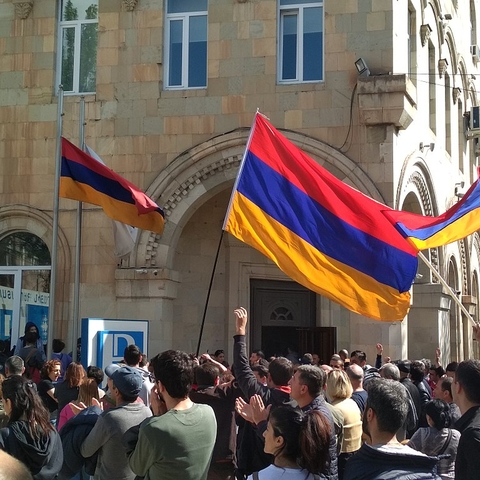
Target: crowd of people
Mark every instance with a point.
(178, 416)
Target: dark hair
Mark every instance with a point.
(174, 369)
(218, 352)
(306, 436)
(48, 368)
(27, 404)
(446, 384)
(440, 372)
(15, 365)
(74, 374)
(439, 412)
(206, 374)
(388, 399)
(143, 361)
(306, 359)
(29, 325)
(362, 356)
(281, 371)
(468, 376)
(259, 353)
(57, 345)
(451, 367)
(313, 377)
(132, 355)
(261, 369)
(417, 371)
(96, 373)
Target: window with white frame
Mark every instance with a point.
(186, 44)
(78, 45)
(300, 56)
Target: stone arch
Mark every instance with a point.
(25, 218)
(437, 12)
(415, 193)
(462, 70)
(452, 48)
(198, 174)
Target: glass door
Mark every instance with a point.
(10, 293)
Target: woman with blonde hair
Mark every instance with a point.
(88, 390)
(339, 390)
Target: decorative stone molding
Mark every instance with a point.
(181, 193)
(456, 92)
(418, 180)
(464, 267)
(442, 66)
(189, 184)
(23, 9)
(386, 99)
(129, 5)
(425, 32)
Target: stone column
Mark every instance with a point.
(429, 322)
(148, 294)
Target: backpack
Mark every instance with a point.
(32, 370)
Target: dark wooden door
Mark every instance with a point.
(281, 315)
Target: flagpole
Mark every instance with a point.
(78, 237)
(56, 201)
(208, 293)
(250, 135)
(448, 288)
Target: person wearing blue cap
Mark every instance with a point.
(106, 436)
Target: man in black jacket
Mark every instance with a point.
(404, 368)
(307, 390)
(386, 458)
(466, 394)
(250, 455)
(222, 399)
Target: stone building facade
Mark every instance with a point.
(171, 88)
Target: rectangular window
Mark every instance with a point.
(78, 50)
(301, 41)
(186, 45)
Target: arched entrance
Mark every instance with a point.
(24, 285)
(194, 191)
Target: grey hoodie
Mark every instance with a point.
(43, 456)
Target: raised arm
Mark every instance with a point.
(241, 366)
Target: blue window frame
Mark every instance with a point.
(300, 56)
(186, 44)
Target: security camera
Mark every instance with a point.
(155, 272)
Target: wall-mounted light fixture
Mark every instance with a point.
(423, 145)
(362, 68)
(459, 186)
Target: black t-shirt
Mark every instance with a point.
(43, 387)
(65, 394)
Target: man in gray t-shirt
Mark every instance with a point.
(125, 384)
